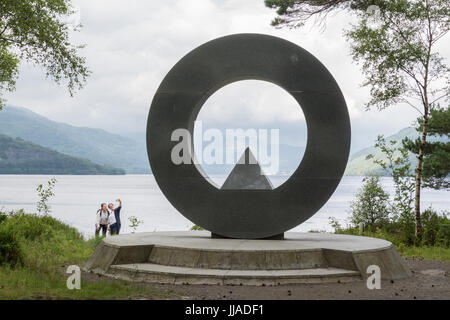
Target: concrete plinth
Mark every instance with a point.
(194, 257)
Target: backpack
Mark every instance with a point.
(99, 212)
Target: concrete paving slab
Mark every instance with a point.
(164, 274)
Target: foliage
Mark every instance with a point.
(394, 220)
(397, 163)
(436, 161)
(371, 206)
(398, 213)
(393, 233)
(335, 224)
(294, 13)
(3, 217)
(134, 223)
(397, 57)
(436, 232)
(436, 229)
(37, 31)
(10, 252)
(397, 220)
(33, 227)
(44, 195)
(9, 69)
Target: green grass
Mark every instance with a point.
(425, 253)
(24, 283)
(47, 246)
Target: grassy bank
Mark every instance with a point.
(34, 254)
(438, 251)
(25, 283)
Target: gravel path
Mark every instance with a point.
(430, 280)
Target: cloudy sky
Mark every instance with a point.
(132, 44)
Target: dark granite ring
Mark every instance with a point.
(250, 214)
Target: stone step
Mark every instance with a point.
(236, 259)
(156, 273)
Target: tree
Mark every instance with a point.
(371, 206)
(396, 162)
(436, 160)
(37, 31)
(398, 55)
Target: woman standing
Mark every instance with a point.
(102, 220)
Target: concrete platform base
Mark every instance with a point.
(194, 257)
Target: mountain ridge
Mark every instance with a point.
(96, 145)
(18, 156)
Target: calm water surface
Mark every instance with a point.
(78, 197)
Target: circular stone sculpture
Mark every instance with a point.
(249, 214)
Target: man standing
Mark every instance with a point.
(116, 215)
(113, 226)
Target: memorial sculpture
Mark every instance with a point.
(258, 210)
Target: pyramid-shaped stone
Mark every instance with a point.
(247, 174)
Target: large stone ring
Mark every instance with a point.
(250, 214)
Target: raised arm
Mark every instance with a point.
(120, 202)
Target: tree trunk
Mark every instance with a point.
(423, 140)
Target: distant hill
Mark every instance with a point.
(18, 156)
(96, 145)
(359, 166)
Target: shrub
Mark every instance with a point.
(436, 228)
(436, 231)
(371, 204)
(3, 217)
(27, 226)
(46, 241)
(10, 252)
(406, 226)
(33, 227)
(335, 224)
